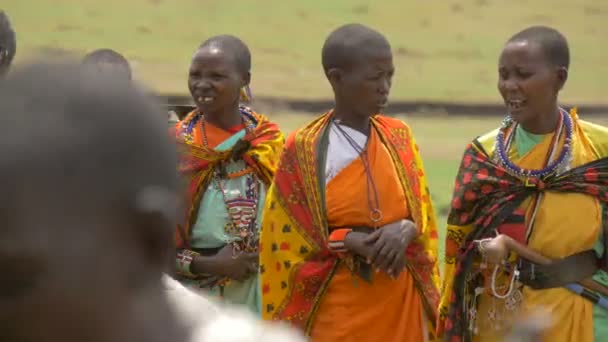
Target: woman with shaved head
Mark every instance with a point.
(228, 156)
(539, 182)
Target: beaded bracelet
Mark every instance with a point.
(336, 240)
(184, 261)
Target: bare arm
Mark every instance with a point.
(204, 265)
(497, 249)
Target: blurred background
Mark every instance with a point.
(445, 52)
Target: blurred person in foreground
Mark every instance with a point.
(530, 328)
(89, 212)
(86, 209)
(536, 187)
(8, 43)
(213, 322)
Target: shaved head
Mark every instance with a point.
(110, 58)
(8, 43)
(348, 43)
(233, 47)
(553, 44)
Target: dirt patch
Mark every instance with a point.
(592, 10)
(459, 54)
(65, 28)
(405, 52)
(363, 9)
(457, 8)
(426, 23)
(92, 13)
(539, 18)
(143, 30)
(302, 14)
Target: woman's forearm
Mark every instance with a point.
(204, 265)
(523, 251)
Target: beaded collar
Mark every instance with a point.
(561, 164)
(191, 121)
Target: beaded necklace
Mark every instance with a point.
(504, 139)
(193, 118)
(242, 210)
(375, 214)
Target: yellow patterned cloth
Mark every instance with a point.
(558, 232)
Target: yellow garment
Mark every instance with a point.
(352, 309)
(566, 223)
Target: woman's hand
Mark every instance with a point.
(389, 243)
(355, 243)
(224, 263)
(494, 250)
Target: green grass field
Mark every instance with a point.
(444, 50)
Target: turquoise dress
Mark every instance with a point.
(208, 231)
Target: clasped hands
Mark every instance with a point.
(385, 247)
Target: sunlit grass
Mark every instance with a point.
(444, 50)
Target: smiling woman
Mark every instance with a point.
(542, 180)
(531, 74)
(228, 155)
(219, 73)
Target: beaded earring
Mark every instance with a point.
(246, 96)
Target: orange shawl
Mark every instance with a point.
(263, 146)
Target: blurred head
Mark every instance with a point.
(531, 327)
(87, 209)
(108, 61)
(358, 63)
(220, 68)
(8, 44)
(532, 69)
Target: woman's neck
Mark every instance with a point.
(352, 119)
(542, 124)
(225, 119)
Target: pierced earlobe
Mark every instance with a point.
(246, 96)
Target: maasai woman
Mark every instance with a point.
(228, 155)
(8, 44)
(541, 179)
(348, 250)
